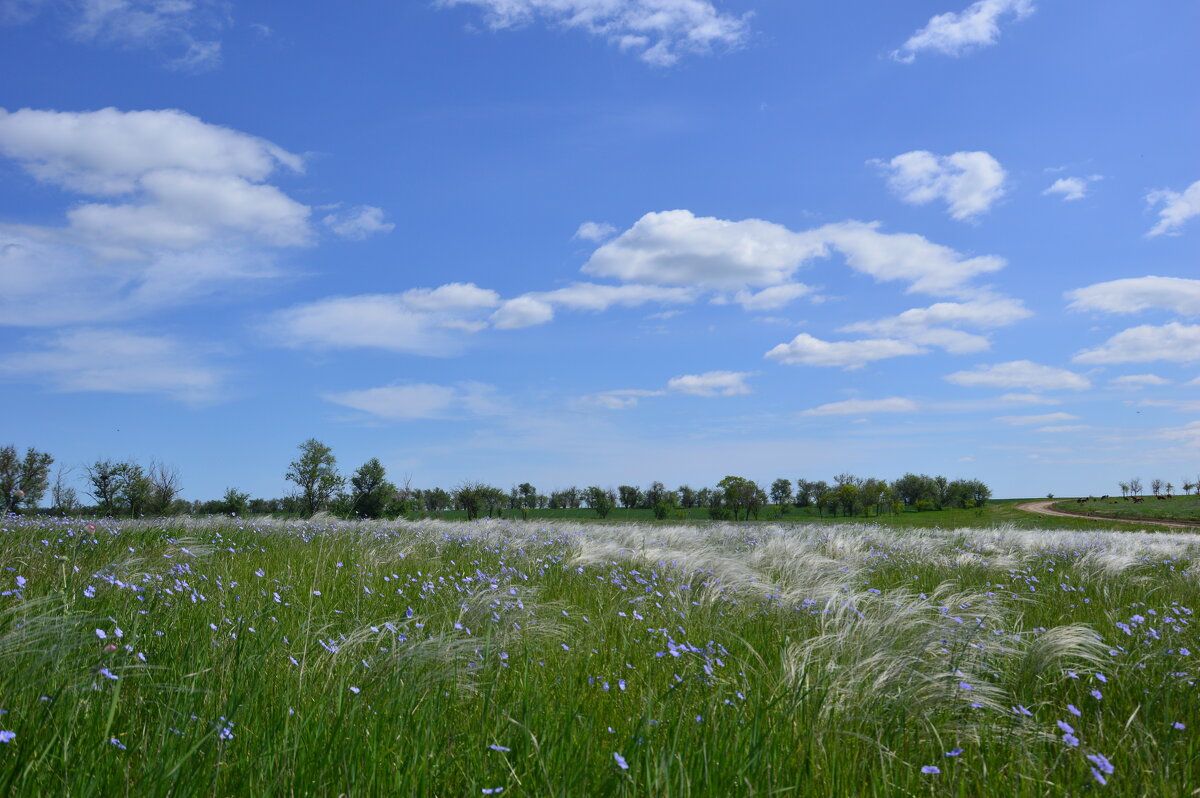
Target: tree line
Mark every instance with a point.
(127, 488)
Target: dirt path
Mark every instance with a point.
(1044, 508)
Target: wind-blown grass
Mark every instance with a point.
(256, 657)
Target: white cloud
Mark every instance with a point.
(413, 401)
(969, 182)
(1139, 380)
(594, 231)
(772, 298)
(1182, 405)
(922, 325)
(112, 361)
(1044, 418)
(953, 34)
(108, 152)
(166, 25)
(1028, 399)
(658, 31)
(1071, 188)
(358, 223)
(537, 307)
(929, 268)
(1021, 374)
(854, 407)
(176, 209)
(1066, 428)
(805, 350)
(711, 383)
(1177, 208)
(679, 248)
(1175, 342)
(1135, 294)
(420, 321)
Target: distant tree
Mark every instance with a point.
(1170, 488)
(600, 500)
(912, 488)
(164, 487)
(871, 494)
(630, 495)
(105, 479)
(818, 491)
(804, 490)
(941, 493)
(528, 495)
(135, 490)
(63, 498)
(1135, 486)
(370, 490)
(1124, 486)
(235, 502)
(687, 497)
(980, 492)
(848, 497)
(740, 494)
(437, 499)
(23, 481)
(1187, 486)
(781, 492)
(316, 476)
(469, 496)
(1156, 487)
(493, 500)
(704, 497)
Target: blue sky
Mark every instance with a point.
(604, 241)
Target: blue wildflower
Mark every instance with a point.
(7, 736)
(932, 769)
(621, 763)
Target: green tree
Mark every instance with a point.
(781, 493)
(370, 490)
(105, 479)
(135, 490)
(235, 502)
(740, 494)
(316, 476)
(600, 500)
(23, 481)
(630, 495)
(164, 487)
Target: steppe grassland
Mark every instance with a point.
(253, 657)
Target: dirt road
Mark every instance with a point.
(1044, 508)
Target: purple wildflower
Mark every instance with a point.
(1178, 725)
(499, 748)
(931, 769)
(1074, 711)
(117, 743)
(1066, 727)
(621, 763)
(1071, 740)
(1096, 694)
(7, 736)
(955, 752)
(1101, 761)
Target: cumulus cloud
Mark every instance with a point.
(857, 407)
(1070, 188)
(538, 307)
(711, 383)
(657, 31)
(772, 298)
(1177, 208)
(423, 321)
(806, 350)
(168, 209)
(182, 27)
(679, 248)
(594, 231)
(1140, 380)
(1175, 342)
(968, 182)
(1028, 421)
(358, 223)
(415, 401)
(932, 326)
(1136, 294)
(956, 33)
(113, 361)
(1020, 374)
(174, 208)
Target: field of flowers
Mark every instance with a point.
(251, 657)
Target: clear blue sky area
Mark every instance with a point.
(579, 242)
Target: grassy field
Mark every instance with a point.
(443, 659)
(998, 512)
(1176, 508)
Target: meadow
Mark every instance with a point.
(442, 658)
(1175, 508)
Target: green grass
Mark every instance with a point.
(1176, 508)
(811, 659)
(997, 512)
